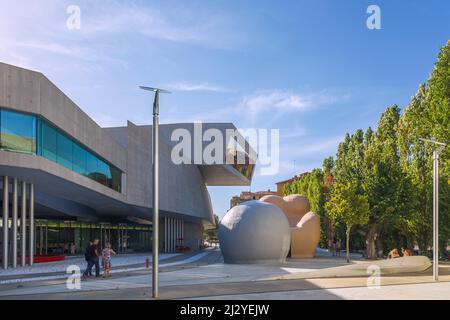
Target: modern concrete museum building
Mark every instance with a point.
(65, 180)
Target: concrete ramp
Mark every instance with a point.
(387, 267)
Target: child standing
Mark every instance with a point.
(107, 254)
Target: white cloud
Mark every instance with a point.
(296, 132)
(203, 86)
(196, 25)
(308, 148)
(38, 32)
(288, 100)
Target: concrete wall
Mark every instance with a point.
(29, 91)
(182, 189)
(183, 193)
(193, 235)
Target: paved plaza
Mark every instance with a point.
(203, 275)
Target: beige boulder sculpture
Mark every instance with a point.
(304, 224)
(294, 206)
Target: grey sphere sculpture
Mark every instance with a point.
(254, 232)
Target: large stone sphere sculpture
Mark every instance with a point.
(254, 232)
(304, 224)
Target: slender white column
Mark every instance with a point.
(178, 231)
(435, 215)
(46, 237)
(41, 239)
(23, 225)
(169, 240)
(14, 223)
(31, 250)
(182, 231)
(171, 234)
(176, 234)
(168, 235)
(165, 235)
(5, 220)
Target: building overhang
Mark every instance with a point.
(223, 175)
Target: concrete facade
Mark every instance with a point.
(64, 194)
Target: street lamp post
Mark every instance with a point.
(155, 218)
(439, 147)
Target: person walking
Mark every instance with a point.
(92, 257)
(87, 257)
(95, 257)
(73, 249)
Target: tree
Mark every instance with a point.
(349, 207)
(312, 186)
(211, 234)
(427, 116)
(384, 183)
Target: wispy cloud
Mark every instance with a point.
(73, 51)
(41, 35)
(296, 132)
(288, 100)
(312, 147)
(192, 86)
(195, 25)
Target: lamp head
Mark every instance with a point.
(154, 89)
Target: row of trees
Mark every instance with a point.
(379, 189)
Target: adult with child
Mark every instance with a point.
(92, 257)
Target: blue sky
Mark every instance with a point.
(235, 61)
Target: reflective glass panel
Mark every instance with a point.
(18, 131)
(79, 159)
(64, 151)
(116, 178)
(91, 166)
(48, 144)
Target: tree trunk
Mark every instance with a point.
(371, 250)
(330, 230)
(347, 243)
(379, 245)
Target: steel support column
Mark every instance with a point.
(14, 222)
(23, 225)
(31, 250)
(5, 220)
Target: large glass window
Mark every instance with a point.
(91, 166)
(79, 159)
(64, 151)
(18, 131)
(116, 178)
(47, 146)
(104, 173)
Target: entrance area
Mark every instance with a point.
(55, 237)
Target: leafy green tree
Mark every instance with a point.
(384, 182)
(350, 159)
(211, 234)
(311, 185)
(427, 116)
(393, 170)
(349, 207)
